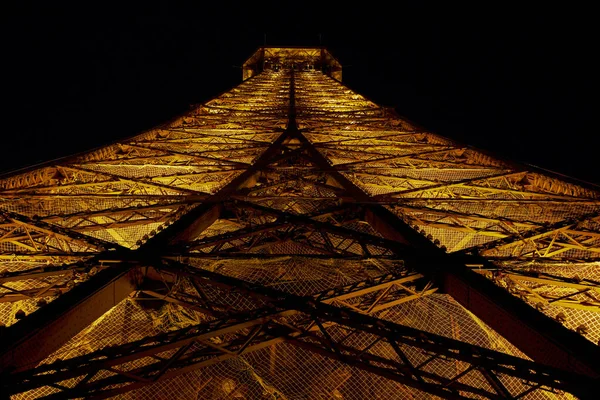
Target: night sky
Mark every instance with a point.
(518, 82)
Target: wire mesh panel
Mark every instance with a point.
(290, 239)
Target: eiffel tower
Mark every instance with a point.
(291, 239)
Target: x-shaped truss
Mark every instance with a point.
(325, 323)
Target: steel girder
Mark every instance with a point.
(311, 323)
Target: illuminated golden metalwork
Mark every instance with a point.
(292, 239)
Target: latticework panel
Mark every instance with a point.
(120, 195)
(283, 370)
(286, 240)
(566, 292)
(299, 275)
(27, 285)
(157, 167)
(471, 202)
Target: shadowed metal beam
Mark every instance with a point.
(535, 334)
(31, 340)
(254, 329)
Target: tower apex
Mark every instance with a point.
(300, 58)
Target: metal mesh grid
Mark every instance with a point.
(375, 137)
(514, 210)
(65, 206)
(283, 370)
(114, 218)
(203, 183)
(461, 156)
(294, 188)
(584, 321)
(363, 151)
(433, 175)
(338, 158)
(212, 137)
(12, 311)
(124, 322)
(255, 135)
(224, 152)
(125, 221)
(219, 227)
(377, 184)
(298, 275)
(23, 239)
(275, 372)
(287, 247)
(540, 248)
(130, 237)
(466, 223)
(108, 186)
(150, 171)
(457, 232)
(296, 206)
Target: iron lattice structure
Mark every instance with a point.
(291, 239)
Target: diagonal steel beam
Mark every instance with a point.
(29, 341)
(61, 319)
(229, 323)
(309, 324)
(537, 335)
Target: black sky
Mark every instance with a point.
(519, 82)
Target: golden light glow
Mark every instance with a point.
(282, 220)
